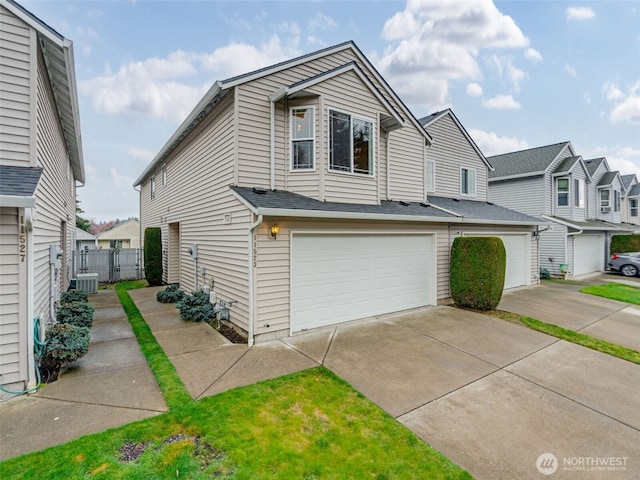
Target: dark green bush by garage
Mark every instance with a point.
(625, 243)
(153, 256)
(477, 270)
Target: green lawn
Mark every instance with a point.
(309, 425)
(615, 291)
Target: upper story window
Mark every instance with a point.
(579, 192)
(468, 181)
(633, 207)
(605, 198)
(350, 144)
(616, 200)
(431, 176)
(302, 138)
(164, 175)
(563, 192)
(153, 188)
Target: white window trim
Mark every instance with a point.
(580, 193)
(475, 181)
(430, 188)
(153, 187)
(313, 139)
(600, 198)
(164, 174)
(632, 208)
(374, 129)
(558, 192)
(617, 200)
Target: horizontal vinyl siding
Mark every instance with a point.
(571, 211)
(55, 199)
(272, 271)
(450, 151)
(17, 40)
(523, 195)
(553, 245)
(197, 197)
(12, 360)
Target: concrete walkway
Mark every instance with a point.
(110, 386)
(489, 394)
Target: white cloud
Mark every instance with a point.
(474, 90)
(626, 106)
(503, 65)
(533, 54)
(501, 102)
(322, 22)
(119, 179)
(437, 41)
(492, 144)
(624, 159)
(141, 154)
(571, 71)
(580, 13)
(169, 87)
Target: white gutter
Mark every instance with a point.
(250, 333)
(442, 209)
(519, 175)
(18, 201)
(388, 168)
(31, 366)
(272, 147)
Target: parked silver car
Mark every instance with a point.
(628, 264)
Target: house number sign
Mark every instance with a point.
(22, 240)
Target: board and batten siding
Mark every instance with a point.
(553, 248)
(197, 198)
(17, 55)
(451, 151)
(522, 195)
(55, 199)
(13, 354)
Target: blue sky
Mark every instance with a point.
(517, 74)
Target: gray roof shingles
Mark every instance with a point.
(635, 191)
(279, 199)
(525, 161)
(566, 165)
(607, 179)
(592, 164)
(19, 181)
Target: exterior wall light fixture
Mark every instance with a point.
(275, 230)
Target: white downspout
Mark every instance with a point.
(31, 367)
(387, 134)
(272, 141)
(252, 266)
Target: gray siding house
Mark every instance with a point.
(631, 199)
(40, 163)
(555, 184)
(300, 191)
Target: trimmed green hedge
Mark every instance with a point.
(477, 271)
(153, 256)
(625, 243)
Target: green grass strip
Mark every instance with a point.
(174, 391)
(584, 340)
(615, 291)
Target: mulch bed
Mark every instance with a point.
(230, 334)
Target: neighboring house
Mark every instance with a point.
(84, 240)
(554, 183)
(457, 180)
(123, 235)
(605, 191)
(300, 192)
(631, 199)
(40, 163)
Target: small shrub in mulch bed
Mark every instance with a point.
(196, 307)
(78, 313)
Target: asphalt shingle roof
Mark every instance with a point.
(592, 164)
(19, 181)
(566, 165)
(469, 209)
(607, 178)
(590, 224)
(627, 179)
(524, 161)
(635, 191)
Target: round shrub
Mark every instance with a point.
(477, 270)
(196, 307)
(74, 296)
(75, 313)
(153, 256)
(171, 294)
(63, 345)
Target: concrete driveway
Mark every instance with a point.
(492, 396)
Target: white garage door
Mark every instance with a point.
(518, 248)
(588, 254)
(336, 278)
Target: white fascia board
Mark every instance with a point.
(581, 227)
(73, 95)
(17, 201)
(215, 90)
(34, 22)
(519, 175)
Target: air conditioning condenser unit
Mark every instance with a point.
(87, 282)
